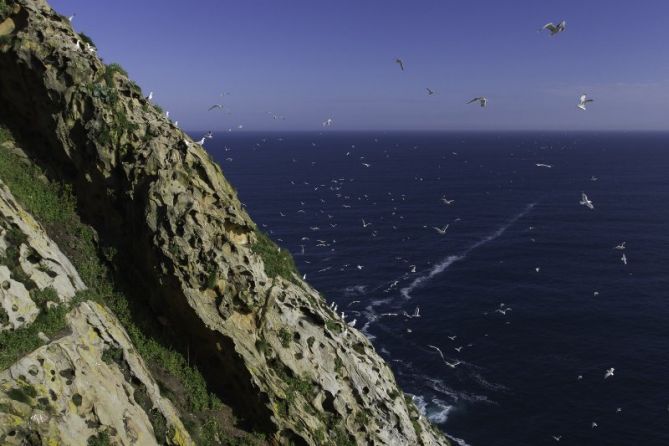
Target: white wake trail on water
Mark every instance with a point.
(448, 261)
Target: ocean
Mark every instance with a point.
(525, 288)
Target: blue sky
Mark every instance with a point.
(310, 60)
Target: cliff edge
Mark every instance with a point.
(264, 340)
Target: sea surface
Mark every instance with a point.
(517, 241)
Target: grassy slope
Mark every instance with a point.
(54, 206)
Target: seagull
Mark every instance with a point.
(549, 166)
(458, 349)
(624, 259)
(400, 62)
(585, 201)
(209, 135)
(446, 201)
(450, 364)
(481, 100)
(441, 231)
(582, 101)
(620, 247)
(609, 373)
(555, 29)
(557, 437)
(452, 338)
(200, 142)
(167, 114)
(219, 106)
(364, 225)
(150, 96)
(430, 92)
(594, 425)
(619, 409)
(352, 323)
(366, 164)
(70, 18)
(327, 122)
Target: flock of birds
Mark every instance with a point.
(336, 188)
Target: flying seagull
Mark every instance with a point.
(555, 29)
(624, 259)
(620, 247)
(481, 100)
(430, 92)
(557, 437)
(70, 18)
(400, 63)
(219, 106)
(327, 122)
(585, 201)
(446, 201)
(609, 373)
(544, 165)
(441, 231)
(582, 101)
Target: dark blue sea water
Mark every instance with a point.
(582, 312)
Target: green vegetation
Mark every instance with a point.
(110, 71)
(4, 8)
(339, 364)
(101, 439)
(24, 394)
(333, 326)
(285, 337)
(84, 38)
(212, 434)
(278, 262)
(54, 205)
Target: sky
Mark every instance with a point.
(309, 60)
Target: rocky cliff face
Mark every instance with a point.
(85, 383)
(264, 339)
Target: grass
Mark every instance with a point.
(3, 8)
(278, 262)
(285, 337)
(84, 38)
(54, 206)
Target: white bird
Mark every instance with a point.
(482, 100)
(620, 247)
(430, 92)
(544, 165)
(609, 373)
(594, 425)
(167, 114)
(304, 277)
(458, 349)
(366, 164)
(219, 106)
(352, 323)
(364, 225)
(150, 96)
(585, 201)
(400, 62)
(200, 142)
(619, 409)
(70, 18)
(555, 29)
(452, 338)
(441, 231)
(582, 101)
(446, 201)
(557, 437)
(327, 122)
(624, 259)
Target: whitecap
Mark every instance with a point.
(442, 266)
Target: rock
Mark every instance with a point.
(85, 384)
(266, 342)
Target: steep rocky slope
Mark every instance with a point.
(264, 339)
(86, 382)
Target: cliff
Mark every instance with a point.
(190, 277)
